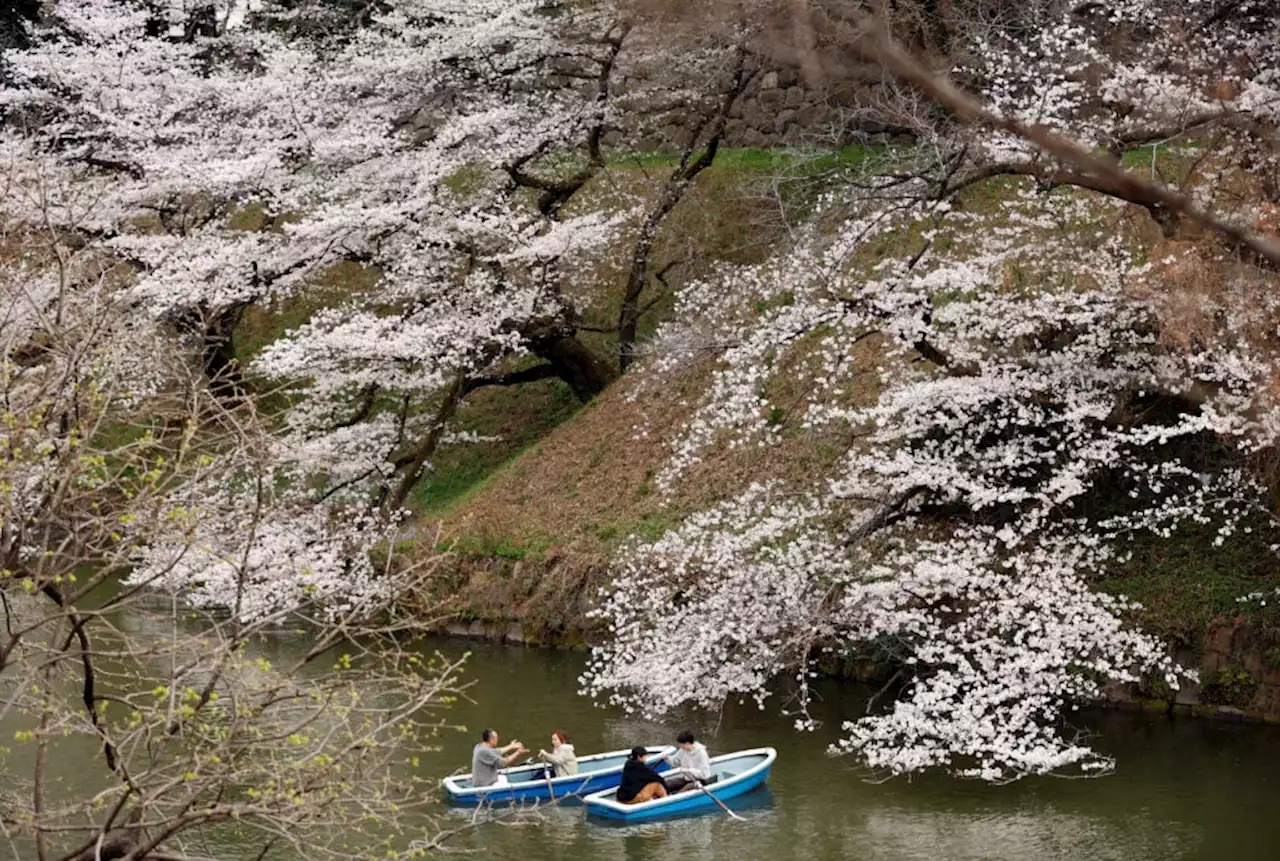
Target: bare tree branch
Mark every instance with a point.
(1103, 173)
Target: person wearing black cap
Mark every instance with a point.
(639, 781)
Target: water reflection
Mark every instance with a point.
(1184, 790)
(897, 834)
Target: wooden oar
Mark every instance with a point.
(545, 774)
(723, 806)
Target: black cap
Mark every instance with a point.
(639, 751)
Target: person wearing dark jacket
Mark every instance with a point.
(639, 781)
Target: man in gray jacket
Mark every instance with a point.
(487, 758)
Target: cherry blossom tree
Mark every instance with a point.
(1042, 392)
(151, 536)
(436, 144)
(243, 117)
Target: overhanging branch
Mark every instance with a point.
(877, 44)
(545, 371)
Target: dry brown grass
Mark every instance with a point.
(534, 543)
(590, 483)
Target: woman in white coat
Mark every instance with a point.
(561, 756)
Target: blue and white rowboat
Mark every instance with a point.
(526, 783)
(736, 774)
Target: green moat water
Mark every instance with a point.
(1183, 790)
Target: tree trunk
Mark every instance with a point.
(415, 462)
(629, 315)
(576, 364)
(217, 333)
(677, 184)
(13, 20)
(220, 363)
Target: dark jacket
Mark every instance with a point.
(635, 777)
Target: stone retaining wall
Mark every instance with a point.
(1239, 669)
(779, 110)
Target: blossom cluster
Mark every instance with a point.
(1044, 391)
(212, 163)
(233, 165)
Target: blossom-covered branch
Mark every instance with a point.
(1079, 387)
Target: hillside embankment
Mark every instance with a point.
(537, 505)
(531, 542)
(531, 546)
